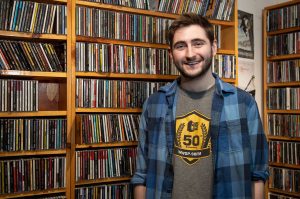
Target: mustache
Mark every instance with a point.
(193, 61)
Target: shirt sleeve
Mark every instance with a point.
(139, 177)
(259, 145)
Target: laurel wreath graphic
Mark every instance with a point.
(204, 135)
(178, 134)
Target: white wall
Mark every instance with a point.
(255, 7)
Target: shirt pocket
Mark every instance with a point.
(231, 137)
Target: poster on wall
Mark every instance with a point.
(245, 38)
(246, 75)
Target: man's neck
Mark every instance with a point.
(201, 83)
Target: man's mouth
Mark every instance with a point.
(192, 63)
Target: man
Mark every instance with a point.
(199, 136)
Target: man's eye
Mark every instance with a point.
(179, 46)
(198, 44)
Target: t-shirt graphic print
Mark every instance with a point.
(192, 141)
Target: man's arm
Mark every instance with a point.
(139, 192)
(139, 178)
(258, 190)
(259, 145)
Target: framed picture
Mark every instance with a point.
(245, 38)
(246, 75)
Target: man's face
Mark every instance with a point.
(192, 51)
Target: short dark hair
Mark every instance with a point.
(188, 19)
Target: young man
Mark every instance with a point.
(199, 136)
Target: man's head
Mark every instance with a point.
(187, 20)
(193, 46)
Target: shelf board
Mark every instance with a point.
(287, 30)
(283, 57)
(290, 166)
(283, 192)
(282, 138)
(280, 5)
(135, 76)
(25, 35)
(33, 153)
(33, 114)
(118, 8)
(33, 193)
(105, 145)
(52, 1)
(227, 52)
(220, 22)
(127, 76)
(62, 1)
(283, 111)
(33, 74)
(80, 38)
(104, 180)
(229, 80)
(283, 84)
(108, 110)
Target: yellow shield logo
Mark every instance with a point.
(192, 141)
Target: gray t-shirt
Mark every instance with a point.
(192, 162)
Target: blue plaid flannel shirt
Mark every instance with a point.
(239, 146)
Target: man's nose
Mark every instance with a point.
(190, 52)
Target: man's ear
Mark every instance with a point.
(214, 47)
(170, 53)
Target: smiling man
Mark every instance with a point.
(199, 136)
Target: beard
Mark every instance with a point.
(205, 68)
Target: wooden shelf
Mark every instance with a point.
(127, 76)
(288, 30)
(272, 190)
(33, 114)
(105, 145)
(34, 193)
(290, 166)
(23, 35)
(283, 57)
(283, 84)
(33, 74)
(118, 8)
(62, 1)
(119, 42)
(227, 52)
(135, 76)
(283, 111)
(282, 138)
(139, 44)
(104, 180)
(280, 5)
(108, 110)
(228, 80)
(143, 12)
(52, 1)
(223, 23)
(33, 153)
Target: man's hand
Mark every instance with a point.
(139, 192)
(258, 190)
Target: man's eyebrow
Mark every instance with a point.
(198, 39)
(179, 42)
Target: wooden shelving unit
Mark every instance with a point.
(280, 140)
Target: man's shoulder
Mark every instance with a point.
(244, 96)
(233, 90)
(160, 96)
